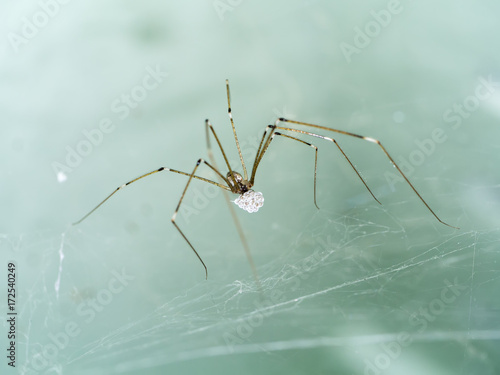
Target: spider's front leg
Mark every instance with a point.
(179, 205)
(231, 176)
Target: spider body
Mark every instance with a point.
(248, 199)
(237, 183)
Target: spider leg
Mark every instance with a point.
(260, 151)
(270, 137)
(372, 140)
(340, 148)
(234, 130)
(191, 176)
(229, 205)
(146, 175)
(209, 128)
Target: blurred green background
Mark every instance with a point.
(94, 94)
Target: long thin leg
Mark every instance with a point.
(340, 148)
(315, 156)
(210, 128)
(372, 140)
(234, 130)
(258, 155)
(146, 175)
(191, 176)
(229, 205)
(268, 141)
(179, 205)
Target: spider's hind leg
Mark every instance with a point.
(368, 139)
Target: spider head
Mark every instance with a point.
(250, 201)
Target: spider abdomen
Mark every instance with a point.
(237, 183)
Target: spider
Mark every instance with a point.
(241, 185)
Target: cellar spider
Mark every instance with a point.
(241, 185)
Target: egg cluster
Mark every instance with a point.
(251, 201)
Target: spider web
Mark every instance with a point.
(354, 288)
(362, 292)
